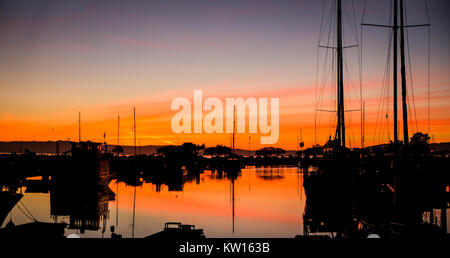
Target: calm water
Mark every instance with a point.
(268, 202)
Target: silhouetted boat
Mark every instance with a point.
(34, 229)
(7, 201)
(176, 230)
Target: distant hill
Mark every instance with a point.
(63, 146)
(442, 146)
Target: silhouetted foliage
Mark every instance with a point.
(118, 150)
(419, 143)
(186, 148)
(218, 150)
(270, 151)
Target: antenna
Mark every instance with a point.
(79, 126)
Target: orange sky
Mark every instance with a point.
(58, 59)
(154, 115)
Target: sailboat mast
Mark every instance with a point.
(395, 28)
(394, 65)
(234, 124)
(79, 126)
(363, 124)
(403, 73)
(118, 129)
(340, 131)
(134, 121)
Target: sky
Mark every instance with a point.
(102, 58)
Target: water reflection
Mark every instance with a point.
(256, 202)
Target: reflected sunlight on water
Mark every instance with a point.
(268, 202)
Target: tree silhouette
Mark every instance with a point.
(270, 151)
(218, 151)
(118, 150)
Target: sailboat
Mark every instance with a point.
(328, 191)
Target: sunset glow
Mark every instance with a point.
(102, 60)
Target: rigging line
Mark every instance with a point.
(333, 93)
(324, 72)
(386, 97)
(322, 76)
(326, 52)
(410, 68)
(360, 53)
(426, 11)
(354, 21)
(388, 78)
(335, 66)
(27, 210)
(354, 32)
(24, 213)
(317, 57)
(383, 110)
(317, 73)
(381, 98)
(349, 78)
(364, 11)
(321, 104)
(321, 21)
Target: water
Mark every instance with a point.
(268, 202)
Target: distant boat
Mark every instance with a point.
(176, 230)
(34, 229)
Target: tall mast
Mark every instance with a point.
(234, 124)
(79, 126)
(363, 124)
(118, 129)
(395, 28)
(403, 72)
(134, 119)
(249, 142)
(340, 130)
(394, 65)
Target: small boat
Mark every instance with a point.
(36, 229)
(176, 230)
